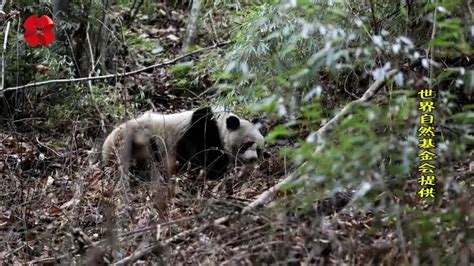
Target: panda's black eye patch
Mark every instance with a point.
(246, 146)
(232, 123)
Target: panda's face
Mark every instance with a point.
(242, 139)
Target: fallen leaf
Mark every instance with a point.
(54, 210)
(172, 37)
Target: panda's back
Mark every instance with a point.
(166, 127)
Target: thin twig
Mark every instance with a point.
(470, 9)
(142, 252)
(5, 40)
(46, 146)
(431, 46)
(89, 82)
(216, 37)
(374, 20)
(13, 252)
(89, 45)
(117, 75)
(362, 24)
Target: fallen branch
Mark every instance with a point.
(270, 193)
(138, 254)
(140, 231)
(117, 75)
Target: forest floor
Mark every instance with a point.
(57, 207)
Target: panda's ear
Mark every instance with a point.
(232, 122)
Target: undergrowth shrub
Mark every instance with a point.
(304, 60)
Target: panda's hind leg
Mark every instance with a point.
(150, 161)
(135, 153)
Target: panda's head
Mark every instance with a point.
(240, 137)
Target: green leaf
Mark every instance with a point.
(182, 67)
(464, 118)
(277, 133)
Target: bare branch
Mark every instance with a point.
(4, 48)
(117, 75)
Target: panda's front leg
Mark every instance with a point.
(140, 153)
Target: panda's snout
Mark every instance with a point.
(249, 156)
(252, 159)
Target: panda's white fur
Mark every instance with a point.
(207, 137)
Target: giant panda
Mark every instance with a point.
(206, 137)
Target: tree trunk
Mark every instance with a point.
(91, 38)
(103, 37)
(60, 12)
(191, 29)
